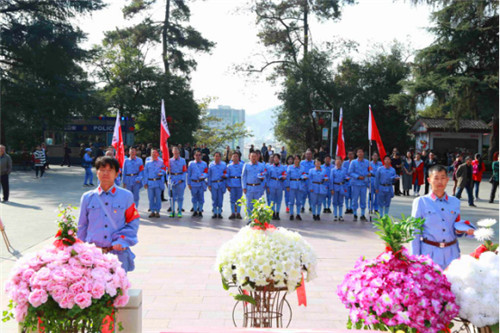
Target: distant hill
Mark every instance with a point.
(262, 127)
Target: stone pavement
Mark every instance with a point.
(175, 257)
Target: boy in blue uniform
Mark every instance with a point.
(296, 186)
(276, 176)
(307, 164)
(254, 174)
(177, 181)
(197, 173)
(318, 186)
(153, 182)
(328, 199)
(359, 173)
(234, 171)
(443, 223)
(384, 179)
(108, 216)
(375, 164)
(348, 194)
(132, 174)
(338, 188)
(217, 174)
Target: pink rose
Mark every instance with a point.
(121, 301)
(83, 300)
(20, 311)
(38, 297)
(43, 273)
(111, 289)
(86, 259)
(67, 301)
(77, 288)
(27, 274)
(70, 232)
(58, 275)
(58, 293)
(97, 290)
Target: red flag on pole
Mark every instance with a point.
(117, 141)
(373, 133)
(164, 135)
(340, 138)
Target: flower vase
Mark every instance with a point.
(267, 311)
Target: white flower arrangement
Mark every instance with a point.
(475, 285)
(257, 258)
(486, 223)
(484, 234)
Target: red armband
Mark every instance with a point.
(141, 167)
(131, 213)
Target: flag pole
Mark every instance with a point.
(370, 203)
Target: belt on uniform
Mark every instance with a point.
(217, 181)
(437, 244)
(235, 177)
(319, 183)
(131, 174)
(339, 183)
(154, 178)
(254, 184)
(176, 174)
(108, 249)
(274, 178)
(196, 180)
(295, 179)
(386, 184)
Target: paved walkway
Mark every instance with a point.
(175, 257)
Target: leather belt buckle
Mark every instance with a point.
(442, 245)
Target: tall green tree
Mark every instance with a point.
(43, 82)
(302, 69)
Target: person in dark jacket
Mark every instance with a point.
(464, 178)
(66, 158)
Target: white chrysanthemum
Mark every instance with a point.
(483, 234)
(486, 223)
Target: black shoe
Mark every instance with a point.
(214, 216)
(195, 214)
(363, 218)
(169, 209)
(200, 215)
(302, 210)
(298, 217)
(310, 209)
(355, 218)
(274, 216)
(238, 216)
(219, 216)
(291, 217)
(325, 210)
(472, 205)
(491, 201)
(157, 214)
(149, 210)
(318, 218)
(232, 216)
(278, 216)
(183, 209)
(153, 214)
(163, 199)
(91, 184)
(192, 209)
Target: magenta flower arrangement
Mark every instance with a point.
(397, 291)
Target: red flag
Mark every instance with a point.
(373, 134)
(117, 141)
(164, 135)
(340, 138)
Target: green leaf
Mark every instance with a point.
(245, 298)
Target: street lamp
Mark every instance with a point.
(331, 129)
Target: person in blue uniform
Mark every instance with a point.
(87, 165)
(296, 186)
(233, 183)
(276, 176)
(108, 216)
(307, 164)
(177, 181)
(196, 180)
(443, 223)
(348, 194)
(132, 174)
(266, 186)
(254, 174)
(152, 180)
(384, 179)
(327, 166)
(338, 188)
(217, 174)
(359, 173)
(289, 162)
(375, 164)
(318, 186)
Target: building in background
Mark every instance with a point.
(228, 116)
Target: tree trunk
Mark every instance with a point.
(306, 28)
(166, 26)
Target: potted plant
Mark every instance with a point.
(265, 263)
(397, 291)
(69, 286)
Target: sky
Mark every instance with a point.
(369, 23)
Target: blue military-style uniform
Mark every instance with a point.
(328, 199)
(217, 173)
(384, 178)
(177, 182)
(296, 183)
(233, 182)
(373, 196)
(357, 169)
(307, 165)
(318, 186)
(110, 218)
(348, 194)
(253, 177)
(196, 178)
(268, 194)
(339, 188)
(442, 221)
(153, 176)
(276, 176)
(132, 176)
(87, 163)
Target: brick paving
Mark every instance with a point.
(175, 257)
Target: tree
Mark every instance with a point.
(43, 83)
(300, 67)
